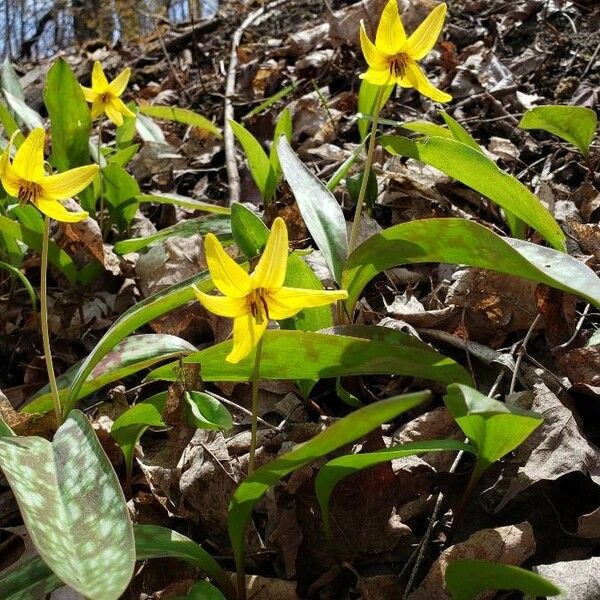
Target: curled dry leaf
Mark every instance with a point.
(510, 545)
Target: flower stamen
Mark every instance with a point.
(258, 305)
(397, 64)
(28, 192)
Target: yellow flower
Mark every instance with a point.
(25, 178)
(252, 300)
(104, 96)
(393, 58)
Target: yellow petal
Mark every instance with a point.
(99, 81)
(97, 108)
(286, 302)
(117, 86)
(425, 36)
(89, 94)
(229, 278)
(29, 159)
(10, 180)
(419, 81)
(377, 77)
(390, 37)
(68, 184)
(374, 58)
(270, 271)
(119, 105)
(224, 306)
(246, 334)
(113, 114)
(55, 210)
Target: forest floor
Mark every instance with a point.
(539, 506)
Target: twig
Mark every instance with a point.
(591, 62)
(520, 351)
(233, 175)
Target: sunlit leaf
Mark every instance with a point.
(367, 96)
(458, 241)
(459, 133)
(148, 130)
(575, 124)
(73, 507)
(249, 232)
(10, 79)
(480, 173)
(319, 208)
(467, 578)
(184, 202)
(181, 115)
(27, 115)
(121, 191)
(334, 471)
(206, 412)
(282, 127)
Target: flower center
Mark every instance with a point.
(29, 192)
(397, 64)
(258, 305)
(105, 98)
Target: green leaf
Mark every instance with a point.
(121, 191)
(458, 241)
(574, 124)
(135, 317)
(310, 355)
(129, 356)
(466, 578)
(160, 542)
(282, 127)
(367, 96)
(343, 169)
(147, 129)
(354, 183)
(10, 80)
(218, 225)
(477, 171)
(206, 412)
(9, 123)
(203, 590)
(30, 117)
(70, 119)
(425, 128)
(184, 202)
(73, 507)
(346, 430)
(26, 284)
(334, 471)
(5, 430)
(124, 156)
(258, 161)
(319, 208)
(129, 427)
(33, 578)
(125, 134)
(57, 257)
(282, 93)
(493, 428)
(459, 133)
(181, 115)
(249, 233)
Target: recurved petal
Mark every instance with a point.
(373, 57)
(377, 77)
(224, 306)
(271, 268)
(29, 159)
(113, 114)
(419, 81)
(390, 38)
(425, 36)
(10, 180)
(122, 107)
(89, 94)
(55, 210)
(246, 334)
(286, 302)
(117, 86)
(99, 81)
(68, 184)
(229, 278)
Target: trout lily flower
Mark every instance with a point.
(393, 57)
(25, 178)
(105, 96)
(253, 300)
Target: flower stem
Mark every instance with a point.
(99, 150)
(44, 323)
(255, 378)
(367, 171)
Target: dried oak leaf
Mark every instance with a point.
(510, 545)
(579, 579)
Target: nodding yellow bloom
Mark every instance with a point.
(105, 96)
(253, 300)
(393, 57)
(25, 178)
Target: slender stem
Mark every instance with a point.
(241, 581)
(367, 171)
(44, 323)
(101, 211)
(255, 378)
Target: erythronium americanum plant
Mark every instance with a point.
(26, 179)
(392, 59)
(105, 97)
(253, 300)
